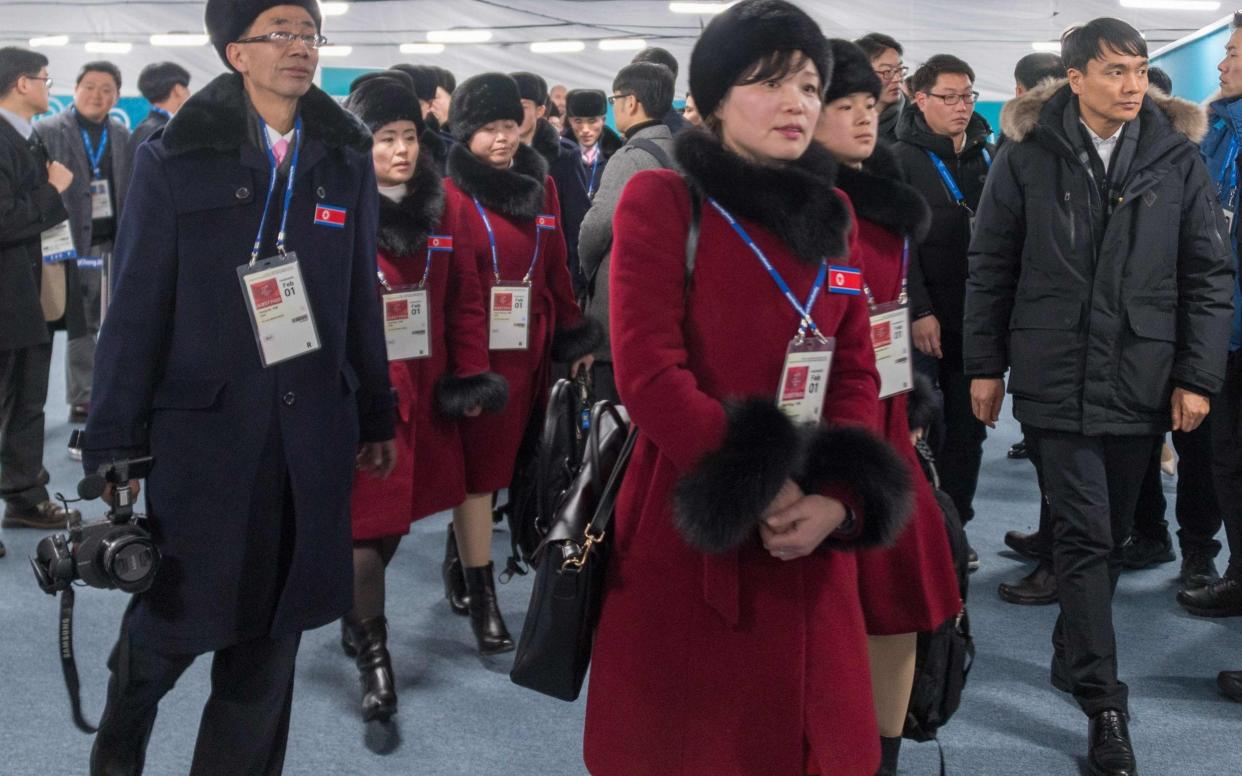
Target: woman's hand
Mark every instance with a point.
(798, 530)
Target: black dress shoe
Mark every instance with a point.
(1198, 568)
(489, 627)
(1017, 451)
(1028, 545)
(1230, 684)
(972, 559)
(1222, 598)
(379, 690)
(1035, 589)
(47, 516)
(1109, 751)
(1141, 551)
(454, 578)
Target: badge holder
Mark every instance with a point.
(280, 313)
(804, 378)
(101, 199)
(890, 336)
(509, 317)
(57, 244)
(407, 322)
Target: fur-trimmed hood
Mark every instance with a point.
(881, 197)
(215, 118)
(796, 201)
(516, 192)
(1022, 115)
(404, 225)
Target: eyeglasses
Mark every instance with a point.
(889, 73)
(47, 79)
(613, 99)
(953, 99)
(282, 38)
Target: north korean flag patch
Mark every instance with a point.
(845, 280)
(545, 221)
(328, 215)
(440, 242)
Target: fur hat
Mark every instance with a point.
(424, 78)
(744, 34)
(481, 100)
(227, 20)
(532, 87)
(586, 103)
(851, 72)
(445, 79)
(384, 97)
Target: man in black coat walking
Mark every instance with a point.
(166, 85)
(1101, 279)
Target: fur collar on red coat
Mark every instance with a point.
(795, 201)
(404, 225)
(880, 196)
(516, 192)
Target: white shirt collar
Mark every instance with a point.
(273, 136)
(1103, 147)
(23, 126)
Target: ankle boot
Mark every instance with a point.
(454, 579)
(890, 752)
(379, 690)
(351, 635)
(489, 626)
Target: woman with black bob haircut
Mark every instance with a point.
(731, 638)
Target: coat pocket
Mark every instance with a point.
(187, 394)
(1046, 348)
(1145, 364)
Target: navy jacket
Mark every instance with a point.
(238, 448)
(1226, 123)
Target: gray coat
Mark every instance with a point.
(595, 235)
(64, 144)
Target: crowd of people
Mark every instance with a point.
(822, 273)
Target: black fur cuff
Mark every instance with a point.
(922, 404)
(718, 504)
(871, 469)
(571, 344)
(457, 395)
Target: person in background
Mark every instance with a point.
(691, 111)
(556, 96)
(534, 129)
(673, 118)
(1160, 80)
(886, 55)
(166, 85)
(555, 117)
(446, 84)
(434, 143)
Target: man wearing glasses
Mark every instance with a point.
(885, 54)
(942, 145)
(244, 352)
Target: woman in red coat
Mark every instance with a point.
(731, 639)
(437, 350)
(512, 220)
(911, 586)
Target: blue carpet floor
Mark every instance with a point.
(461, 715)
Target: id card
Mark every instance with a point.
(280, 312)
(101, 199)
(407, 324)
(509, 317)
(804, 379)
(57, 244)
(890, 336)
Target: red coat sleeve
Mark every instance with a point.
(466, 316)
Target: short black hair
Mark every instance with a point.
(874, 44)
(658, 56)
(101, 66)
(1237, 19)
(925, 77)
(1160, 79)
(1085, 42)
(650, 83)
(17, 62)
(446, 80)
(1040, 66)
(156, 81)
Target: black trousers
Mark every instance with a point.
(959, 452)
(1091, 486)
(604, 381)
(245, 723)
(1226, 441)
(1198, 513)
(23, 392)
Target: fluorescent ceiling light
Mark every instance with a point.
(52, 40)
(557, 46)
(333, 9)
(1172, 5)
(459, 36)
(1047, 46)
(622, 44)
(179, 39)
(701, 8)
(108, 47)
(336, 51)
(422, 48)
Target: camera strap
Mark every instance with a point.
(67, 662)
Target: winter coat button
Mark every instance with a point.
(243, 193)
(320, 192)
(289, 399)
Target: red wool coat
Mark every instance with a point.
(730, 663)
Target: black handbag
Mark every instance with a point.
(554, 649)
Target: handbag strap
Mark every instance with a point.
(608, 499)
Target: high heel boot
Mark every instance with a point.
(454, 579)
(351, 635)
(489, 626)
(379, 690)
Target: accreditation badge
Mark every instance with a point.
(804, 378)
(280, 312)
(407, 323)
(509, 317)
(57, 243)
(101, 199)
(890, 336)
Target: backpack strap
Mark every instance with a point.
(653, 148)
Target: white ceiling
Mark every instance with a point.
(990, 34)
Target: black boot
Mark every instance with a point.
(489, 626)
(379, 691)
(351, 635)
(454, 580)
(890, 752)
(1035, 589)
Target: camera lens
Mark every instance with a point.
(132, 562)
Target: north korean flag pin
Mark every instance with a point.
(440, 242)
(545, 221)
(845, 280)
(327, 215)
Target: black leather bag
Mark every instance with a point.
(554, 649)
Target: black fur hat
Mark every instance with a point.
(586, 103)
(445, 80)
(384, 97)
(227, 20)
(532, 87)
(851, 72)
(481, 100)
(424, 78)
(744, 34)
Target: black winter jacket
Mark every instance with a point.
(1098, 318)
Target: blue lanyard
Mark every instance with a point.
(491, 239)
(162, 112)
(271, 189)
(947, 176)
(804, 311)
(1227, 178)
(590, 185)
(903, 297)
(95, 155)
(427, 270)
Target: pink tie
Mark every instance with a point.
(280, 148)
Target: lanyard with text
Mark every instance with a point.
(508, 311)
(280, 312)
(541, 225)
(955, 191)
(804, 376)
(101, 191)
(890, 335)
(1227, 181)
(407, 309)
(95, 154)
(903, 296)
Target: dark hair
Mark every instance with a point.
(1160, 79)
(553, 111)
(776, 65)
(1237, 19)
(446, 80)
(925, 77)
(156, 81)
(651, 85)
(17, 62)
(874, 44)
(658, 56)
(1085, 42)
(1040, 66)
(100, 67)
